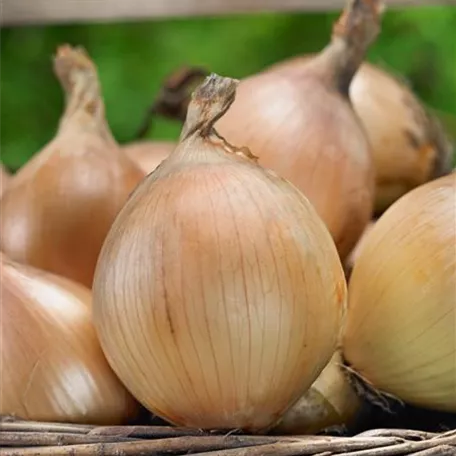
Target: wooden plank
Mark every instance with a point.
(23, 12)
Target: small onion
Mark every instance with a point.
(53, 368)
(59, 206)
(302, 125)
(330, 401)
(409, 145)
(219, 293)
(400, 328)
(148, 154)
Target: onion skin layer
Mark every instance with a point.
(219, 293)
(400, 324)
(53, 368)
(59, 206)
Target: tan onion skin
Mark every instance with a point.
(354, 254)
(219, 293)
(53, 368)
(330, 401)
(60, 205)
(408, 143)
(400, 329)
(301, 125)
(148, 154)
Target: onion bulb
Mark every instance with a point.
(59, 206)
(302, 126)
(219, 293)
(409, 145)
(53, 368)
(330, 401)
(148, 154)
(400, 327)
(4, 178)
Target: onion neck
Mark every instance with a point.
(353, 33)
(84, 102)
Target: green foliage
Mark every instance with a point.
(134, 58)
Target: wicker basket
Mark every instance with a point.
(26, 438)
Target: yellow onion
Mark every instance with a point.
(401, 326)
(60, 205)
(302, 125)
(219, 293)
(330, 401)
(53, 368)
(4, 178)
(409, 144)
(148, 154)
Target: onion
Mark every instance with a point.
(302, 126)
(330, 401)
(53, 368)
(148, 154)
(400, 329)
(4, 178)
(59, 206)
(408, 142)
(219, 293)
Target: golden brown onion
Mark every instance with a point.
(53, 368)
(148, 154)
(301, 124)
(330, 401)
(401, 326)
(409, 144)
(59, 206)
(219, 293)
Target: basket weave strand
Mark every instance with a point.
(28, 438)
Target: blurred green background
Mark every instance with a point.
(134, 58)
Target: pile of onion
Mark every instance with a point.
(59, 206)
(219, 293)
(53, 368)
(148, 154)
(409, 144)
(400, 326)
(302, 126)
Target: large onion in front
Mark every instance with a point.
(401, 326)
(302, 125)
(52, 365)
(219, 293)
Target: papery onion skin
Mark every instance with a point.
(302, 126)
(219, 293)
(60, 205)
(400, 327)
(53, 368)
(354, 254)
(330, 401)
(409, 145)
(148, 154)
